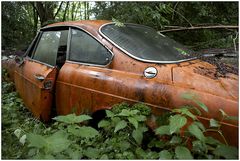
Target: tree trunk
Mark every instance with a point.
(85, 8)
(45, 11)
(65, 12)
(77, 10)
(73, 10)
(35, 21)
(59, 8)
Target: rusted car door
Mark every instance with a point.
(88, 60)
(35, 78)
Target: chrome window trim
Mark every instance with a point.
(32, 45)
(140, 59)
(78, 27)
(37, 42)
(87, 64)
(30, 59)
(35, 48)
(79, 62)
(68, 42)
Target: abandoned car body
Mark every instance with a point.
(92, 65)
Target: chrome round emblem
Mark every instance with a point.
(150, 72)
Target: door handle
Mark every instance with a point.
(39, 77)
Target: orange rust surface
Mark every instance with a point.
(35, 97)
(86, 89)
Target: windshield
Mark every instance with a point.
(146, 44)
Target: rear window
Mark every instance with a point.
(146, 44)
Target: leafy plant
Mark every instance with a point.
(185, 135)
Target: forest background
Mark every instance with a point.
(200, 25)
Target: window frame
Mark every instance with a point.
(89, 34)
(33, 48)
(133, 56)
(35, 44)
(32, 45)
(37, 38)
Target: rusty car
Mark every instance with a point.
(92, 65)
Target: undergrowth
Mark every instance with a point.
(121, 134)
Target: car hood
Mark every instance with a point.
(204, 77)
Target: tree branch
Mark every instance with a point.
(59, 8)
(199, 27)
(174, 8)
(182, 16)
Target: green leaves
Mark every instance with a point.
(163, 130)
(91, 153)
(84, 131)
(181, 51)
(176, 122)
(226, 116)
(126, 112)
(121, 125)
(185, 111)
(193, 97)
(109, 113)
(137, 134)
(133, 121)
(214, 123)
(210, 140)
(165, 155)
(199, 147)
(87, 132)
(202, 105)
(175, 140)
(57, 142)
(118, 23)
(182, 152)
(36, 140)
(227, 152)
(54, 143)
(72, 118)
(103, 123)
(195, 131)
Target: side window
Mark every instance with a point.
(86, 49)
(31, 47)
(52, 47)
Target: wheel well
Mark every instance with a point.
(97, 116)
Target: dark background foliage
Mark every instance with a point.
(21, 20)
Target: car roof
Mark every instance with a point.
(86, 24)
